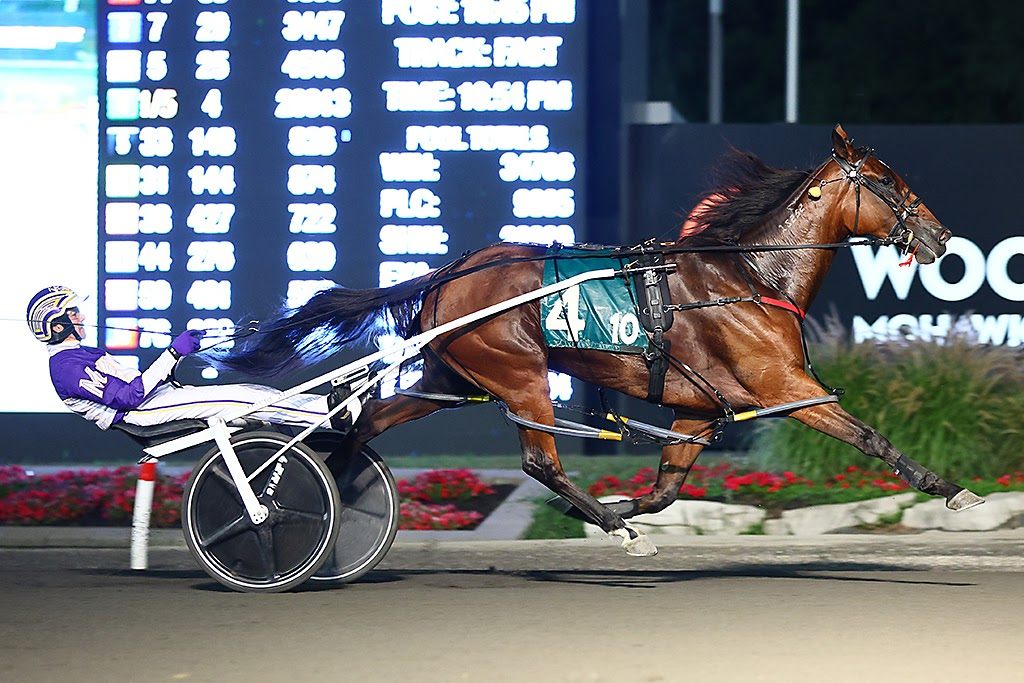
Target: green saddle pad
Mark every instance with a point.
(597, 314)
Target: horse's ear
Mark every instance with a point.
(841, 144)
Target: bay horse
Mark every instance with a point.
(768, 233)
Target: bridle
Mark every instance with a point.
(900, 234)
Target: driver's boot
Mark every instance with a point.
(342, 420)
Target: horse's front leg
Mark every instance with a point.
(831, 419)
(540, 461)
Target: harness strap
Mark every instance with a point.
(652, 430)
(657, 366)
(432, 396)
(651, 283)
(744, 259)
(655, 313)
(562, 427)
(784, 408)
(788, 305)
(577, 429)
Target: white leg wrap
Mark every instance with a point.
(634, 542)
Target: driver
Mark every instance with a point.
(95, 385)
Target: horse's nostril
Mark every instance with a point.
(944, 236)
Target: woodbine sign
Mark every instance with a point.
(879, 269)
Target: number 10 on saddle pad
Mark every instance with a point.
(598, 314)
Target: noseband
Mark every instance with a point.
(900, 235)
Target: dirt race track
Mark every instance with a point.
(923, 608)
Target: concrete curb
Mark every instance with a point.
(1001, 551)
(84, 537)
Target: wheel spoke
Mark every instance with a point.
(225, 479)
(287, 515)
(265, 542)
(229, 530)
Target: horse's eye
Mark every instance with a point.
(886, 180)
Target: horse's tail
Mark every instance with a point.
(330, 320)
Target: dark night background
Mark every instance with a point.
(869, 61)
(869, 64)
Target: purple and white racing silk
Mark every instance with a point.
(169, 402)
(97, 386)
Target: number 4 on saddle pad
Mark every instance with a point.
(598, 314)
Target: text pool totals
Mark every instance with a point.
(254, 152)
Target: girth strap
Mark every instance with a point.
(657, 364)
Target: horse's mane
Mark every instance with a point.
(745, 193)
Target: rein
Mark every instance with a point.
(900, 235)
(251, 327)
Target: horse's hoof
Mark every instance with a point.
(965, 500)
(634, 542)
(641, 546)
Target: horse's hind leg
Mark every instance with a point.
(540, 461)
(530, 399)
(831, 419)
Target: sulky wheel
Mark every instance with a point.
(369, 510)
(283, 551)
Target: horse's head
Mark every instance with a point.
(889, 209)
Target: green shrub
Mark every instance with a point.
(955, 407)
(550, 523)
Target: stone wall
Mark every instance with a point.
(1001, 510)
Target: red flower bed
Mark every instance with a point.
(443, 485)
(84, 497)
(428, 516)
(639, 484)
(724, 482)
(1011, 479)
(440, 499)
(431, 500)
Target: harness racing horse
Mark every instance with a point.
(765, 244)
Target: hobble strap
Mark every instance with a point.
(911, 472)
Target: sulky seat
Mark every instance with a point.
(156, 434)
(153, 435)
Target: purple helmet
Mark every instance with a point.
(49, 306)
